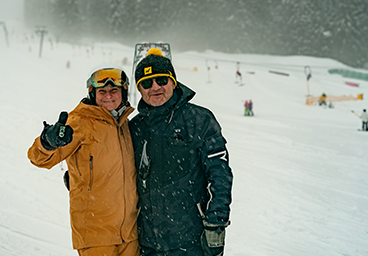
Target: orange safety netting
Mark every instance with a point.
(330, 98)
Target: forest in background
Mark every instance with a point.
(335, 29)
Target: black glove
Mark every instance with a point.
(213, 238)
(58, 135)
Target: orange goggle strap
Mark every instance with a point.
(102, 76)
(155, 75)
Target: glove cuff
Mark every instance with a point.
(214, 227)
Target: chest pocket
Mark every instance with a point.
(174, 155)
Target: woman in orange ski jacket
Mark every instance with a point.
(100, 159)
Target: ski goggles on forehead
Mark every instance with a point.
(161, 81)
(102, 77)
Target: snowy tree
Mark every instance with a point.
(68, 23)
(330, 28)
(36, 12)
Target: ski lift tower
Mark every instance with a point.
(5, 32)
(308, 74)
(41, 31)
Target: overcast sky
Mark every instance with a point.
(11, 10)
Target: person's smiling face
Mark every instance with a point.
(157, 95)
(109, 97)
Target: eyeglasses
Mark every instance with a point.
(101, 77)
(161, 81)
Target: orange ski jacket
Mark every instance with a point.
(100, 159)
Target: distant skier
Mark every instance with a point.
(246, 108)
(364, 117)
(250, 108)
(238, 74)
(322, 100)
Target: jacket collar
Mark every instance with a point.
(182, 95)
(85, 108)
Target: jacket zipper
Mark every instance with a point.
(90, 173)
(121, 137)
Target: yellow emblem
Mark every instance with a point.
(148, 70)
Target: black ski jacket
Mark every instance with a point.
(182, 161)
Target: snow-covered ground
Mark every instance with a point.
(301, 172)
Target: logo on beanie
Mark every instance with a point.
(148, 70)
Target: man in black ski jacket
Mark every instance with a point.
(184, 179)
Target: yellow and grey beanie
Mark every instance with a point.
(154, 65)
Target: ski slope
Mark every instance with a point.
(300, 172)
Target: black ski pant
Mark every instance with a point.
(365, 126)
(195, 250)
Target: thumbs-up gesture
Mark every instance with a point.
(57, 135)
